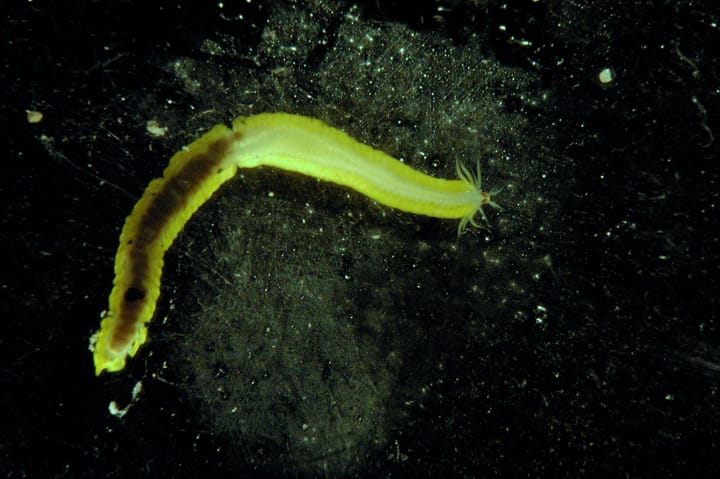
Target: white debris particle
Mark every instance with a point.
(606, 76)
(154, 128)
(34, 116)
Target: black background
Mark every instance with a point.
(637, 270)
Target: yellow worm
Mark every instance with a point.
(280, 140)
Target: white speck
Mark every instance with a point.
(606, 76)
(34, 116)
(154, 128)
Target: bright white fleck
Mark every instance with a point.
(118, 412)
(606, 76)
(34, 116)
(154, 128)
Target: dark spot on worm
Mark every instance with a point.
(134, 294)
